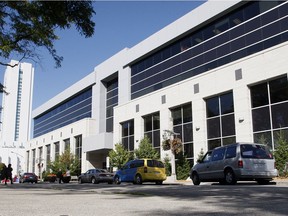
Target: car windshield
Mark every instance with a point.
(255, 151)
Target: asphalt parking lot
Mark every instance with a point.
(171, 198)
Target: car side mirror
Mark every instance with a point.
(199, 161)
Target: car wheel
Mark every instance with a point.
(117, 180)
(110, 182)
(230, 178)
(93, 180)
(159, 182)
(80, 181)
(138, 179)
(195, 179)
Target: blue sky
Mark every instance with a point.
(119, 24)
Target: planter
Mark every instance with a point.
(66, 179)
(50, 178)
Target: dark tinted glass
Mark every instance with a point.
(177, 116)
(280, 115)
(218, 154)
(230, 152)
(156, 138)
(156, 121)
(188, 134)
(228, 125)
(227, 105)
(125, 129)
(228, 140)
(148, 123)
(188, 149)
(187, 113)
(212, 106)
(263, 138)
(213, 128)
(279, 90)
(261, 119)
(255, 151)
(259, 95)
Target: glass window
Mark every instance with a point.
(183, 127)
(218, 154)
(280, 115)
(177, 116)
(228, 125)
(152, 129)
(279, 90)
(261, 119)
(227, 104)
(272, 116)
(212, 107)
(230, 152)
(128, 135)
(213, 127)
(259, 95)
(220, 120)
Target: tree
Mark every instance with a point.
(119, 156)
(281, 154)
(182, 167)
(146, 150)
(26, 25)
(64, 161)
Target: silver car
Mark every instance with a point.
(96, 176)
(236, 162)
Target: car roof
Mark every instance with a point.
(238, 143)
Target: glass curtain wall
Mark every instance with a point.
(183, 125)
(128, 135)
(269, 103)
(152, 129)
(220, 120)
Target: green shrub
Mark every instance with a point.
(182, 167)
(281, 154)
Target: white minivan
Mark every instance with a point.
(235, 162)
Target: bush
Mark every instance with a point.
(167, 165)
(281, 154)
(182, 168)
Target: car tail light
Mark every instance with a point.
(145, 169)
(240, 164)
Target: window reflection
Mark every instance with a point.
(269, 110)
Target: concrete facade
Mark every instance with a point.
(16, 114)
(236, 76)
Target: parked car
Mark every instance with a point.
(236, 162)
(96, 176)
(28, 177)
(141, 170)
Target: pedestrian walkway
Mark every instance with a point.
(278, 181)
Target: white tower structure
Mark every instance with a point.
(16, 114)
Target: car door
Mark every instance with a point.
(126, 173)
(203, 165)
(216, 167)
(86, 176)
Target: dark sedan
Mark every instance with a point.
(28, 177)
(96, 176)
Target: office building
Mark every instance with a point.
(16, 114)
(215, 76)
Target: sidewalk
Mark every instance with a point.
(170, 180)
